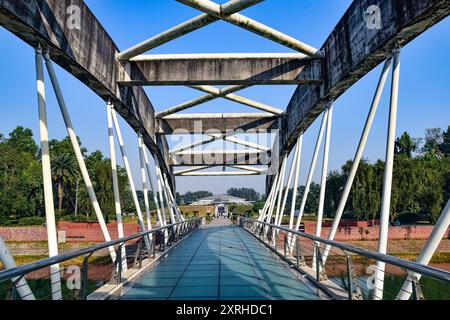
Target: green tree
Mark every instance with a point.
(64, 172)
(21, 139)
(434, 138)
(248, 194)
(404, 145)
(444, 147)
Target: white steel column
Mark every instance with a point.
(144, 182)
(439, 231)
(387, 183)
(280, 191)
(358, 155)
(152, 186)
(311, 169)
(262, 216)
(160, 191)
(295, 186)
(323, 180)
(130, 177)
(78, 154)
(272, 199)
(8, 262)
(52, 239)
(288, 185)
(164, 191)
(266, 203)
(115, 181)
(173, 200)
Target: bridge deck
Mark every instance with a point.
(221, 261)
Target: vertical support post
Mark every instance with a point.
(115, 181)
(144, 183)
(166, 197)
(130, 176)
(78, 154)
(295, 186)
(288, 185)
(172, 199)
(323, 179)
(311, 170)
(163, 210)
(273, 199)
(430, 246)
(152, 186)
(387, 183)
(358, 155)
(280, 190)
(21, 284)
(47, 177)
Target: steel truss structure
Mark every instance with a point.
(322, 75)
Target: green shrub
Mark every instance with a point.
(407, 217)
(349, 215)
(78, 218)
(31, 221)
(6, 222)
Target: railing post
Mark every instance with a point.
(12, 292)
(154, 246)
(417, 293)
(285, 243)
(138, 255)
(320, 271)
(116, 277)
(85, 277)
(354, 292)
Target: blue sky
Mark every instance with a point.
(423, 99)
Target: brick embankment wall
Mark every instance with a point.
(90, 232)
(368, 231)
(74, 232)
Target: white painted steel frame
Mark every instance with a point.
(78, 154)
(52, 238)
(358, 155)
(387, 182)
(115, 181)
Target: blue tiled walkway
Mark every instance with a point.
(220, 262)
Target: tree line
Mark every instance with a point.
(421, 181)
(420, 187)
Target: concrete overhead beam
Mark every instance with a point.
(355, 47)
(220, 157)
(218, 173)
(87, 53)
(220, 70)
(215, 123)
(184, 28)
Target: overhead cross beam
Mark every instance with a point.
(220, 157)
(198, 173)
(238, 99)
(251, 25)
(220, 69)
(215, 137)
(186, 27)
(224, 123)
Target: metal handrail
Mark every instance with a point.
(399, 262)
(33, 266)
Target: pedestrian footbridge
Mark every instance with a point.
(222, 261)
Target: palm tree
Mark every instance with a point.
(65, 171)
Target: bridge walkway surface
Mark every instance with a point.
(221, 261)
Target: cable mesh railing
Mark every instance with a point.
(350, 272)
(85, 270)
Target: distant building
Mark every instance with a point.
(221, 203)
